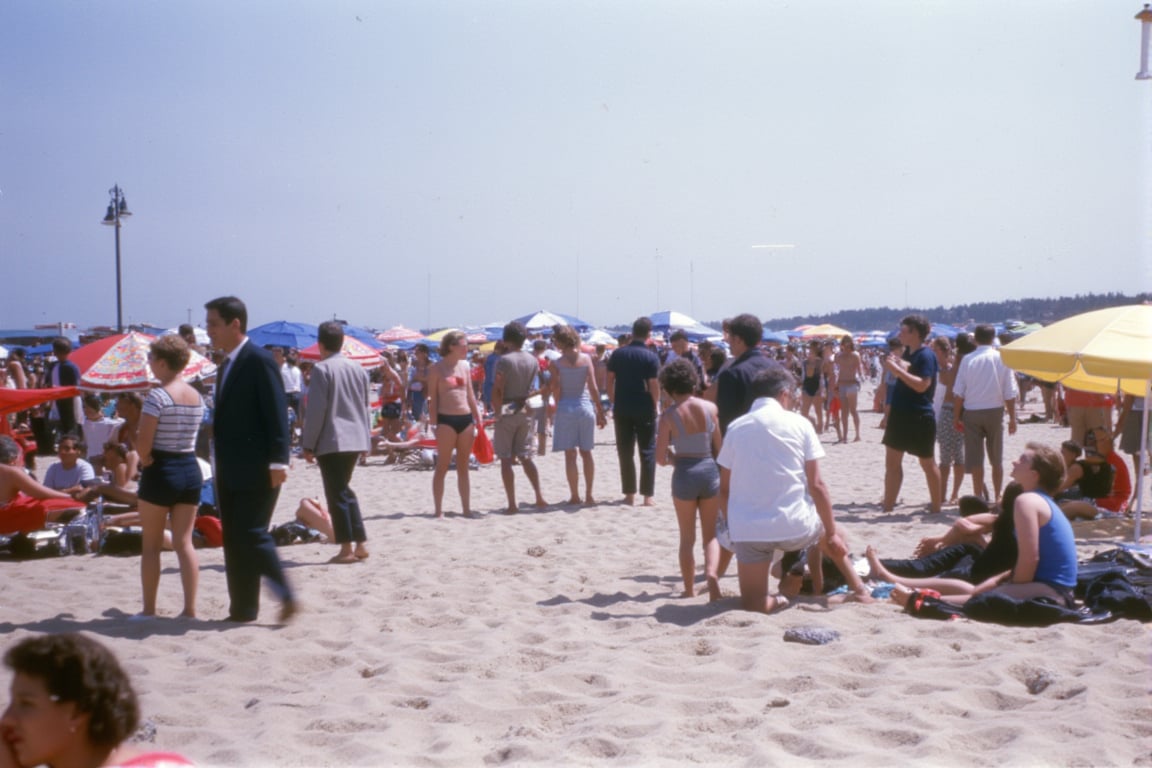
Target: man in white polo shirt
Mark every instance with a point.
(984, 388)
(770, 487)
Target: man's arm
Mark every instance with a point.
(497, 392)
(610, 387)
(273, 405)
(654, 391)
(833, 544)
(316, 413)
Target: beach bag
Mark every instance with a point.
(482, 447)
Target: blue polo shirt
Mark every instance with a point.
(921, 363)
(633, 366)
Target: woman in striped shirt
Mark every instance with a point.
(170, 480)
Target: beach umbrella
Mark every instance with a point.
(599, 336)
(282, 333)
(822, 330)
(399, 333)
(1101, 351)
(119, 363)
(543, 320)
(667, 321)
(363, 335)
(353, 349)
(775, 337)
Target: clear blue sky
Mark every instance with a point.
(443, 163)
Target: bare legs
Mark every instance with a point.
(152, 519)
(447, 441)
(754, 588)
(848, 407)
(958, 470)
(894, 478)
(509, 478)
(806, 404)
(573, 474)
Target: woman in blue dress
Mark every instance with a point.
(578, 411)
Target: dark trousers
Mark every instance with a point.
(343, 506)
(633, 431)
(249, 551)
(952, 562)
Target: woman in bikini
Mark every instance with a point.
(851, 369)
(453, 415)
(812, 387)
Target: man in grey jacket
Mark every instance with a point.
(336, 431)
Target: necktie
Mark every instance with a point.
(223, 369)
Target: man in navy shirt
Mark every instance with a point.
(911, 424)
(634, 390)
(733, 384)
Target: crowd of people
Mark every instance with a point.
(741, 427)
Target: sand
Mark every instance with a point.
(557, 637)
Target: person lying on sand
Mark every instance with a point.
(1046, 563)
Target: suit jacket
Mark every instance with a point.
(250, 421)
(336, 417)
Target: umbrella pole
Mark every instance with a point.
(1143, 457)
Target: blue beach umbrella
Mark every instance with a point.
(282, 333)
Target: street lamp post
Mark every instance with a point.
(117, 209)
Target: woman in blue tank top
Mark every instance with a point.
(687, 438)
(1046, 546)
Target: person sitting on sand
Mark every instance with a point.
(118, 488)
(1095, 485)
(771, 490)
(26, 505)
(312, 513)
(71, 474)
(976, 548)
(830, 576)
(1046, 563)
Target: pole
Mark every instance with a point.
(119, 298)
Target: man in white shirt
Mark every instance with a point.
(771, 490)
(984, 388)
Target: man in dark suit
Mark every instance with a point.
(250, 427)
(336, 433)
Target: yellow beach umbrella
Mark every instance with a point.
(823, 330)
(1101, 351)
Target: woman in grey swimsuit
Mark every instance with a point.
(687, 438)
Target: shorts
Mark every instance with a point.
(458, 422)
(171, 479)
(695, 477)
(392, 410)
(752, 552)
(911, 432)
(848, 389)
(951, 441)
(512, 435)
(980, 426)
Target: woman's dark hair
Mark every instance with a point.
(679, 377)
(80, 670)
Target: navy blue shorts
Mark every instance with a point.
(171, 479)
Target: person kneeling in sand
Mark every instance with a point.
(771, 490)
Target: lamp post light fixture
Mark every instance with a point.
(1145, 19)
(117, 210)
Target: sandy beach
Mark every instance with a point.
(557, 637)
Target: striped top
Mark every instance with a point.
(176, 425)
